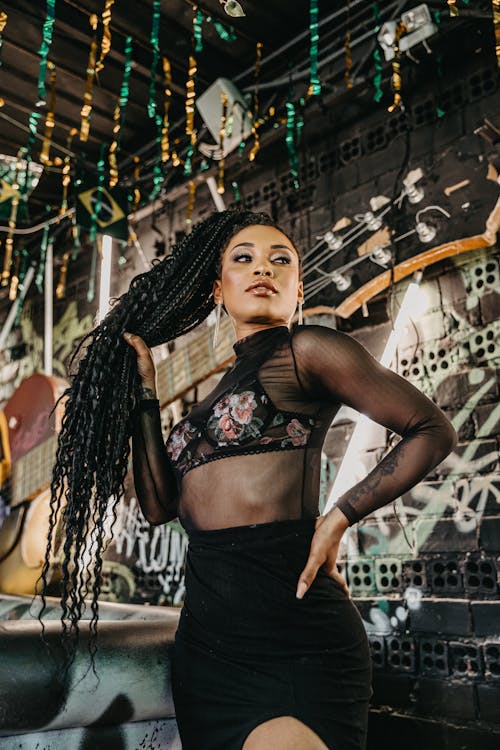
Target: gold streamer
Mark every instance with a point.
(190, 206)
(106, 35)
(256, 145)
(137, 192)
(496, 26)
(220, 182)
(49, 120)
(61, 286)
(91, 71)
(190, 96)
(348, 61)
(167, 79)
(66, 176)
(113, 164)
(9, 242)
(452, 6)
(396, 68)
(14, 279)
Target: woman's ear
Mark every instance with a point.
(216, 291)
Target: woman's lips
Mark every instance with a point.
(261, 291)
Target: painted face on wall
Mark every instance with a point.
(259, 253)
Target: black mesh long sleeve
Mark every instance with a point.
(154, 478)
(334, 367)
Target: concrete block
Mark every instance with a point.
(443, 535)
(444, 616)
(394, 690)
(486, 618)
(488, 698)
(448, 698)
(489, 534)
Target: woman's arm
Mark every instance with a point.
(334, 366)
(154, 477)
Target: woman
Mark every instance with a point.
(270, 650)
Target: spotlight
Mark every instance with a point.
(414, 193)
(425, 232)
(419, 27)
(333, 240)
(381, 255)
(341, 282)
(232, 8)
(373, 223)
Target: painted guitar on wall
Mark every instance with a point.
(28, 438)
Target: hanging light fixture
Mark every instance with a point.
(334, 241)
(381, 255)
(341, 282)
(232, 8)
(426, 232)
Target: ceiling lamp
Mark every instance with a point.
(419, 27)
(381, 255)
(415, 194)
(426, 232)
(341, 282)
(334, 241)
(232, 8)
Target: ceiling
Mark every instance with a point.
(282, 27)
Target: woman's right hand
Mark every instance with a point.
(145, 364)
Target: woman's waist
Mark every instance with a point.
(248, 533)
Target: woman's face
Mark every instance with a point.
(259, 252)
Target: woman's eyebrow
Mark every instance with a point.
(251, 244)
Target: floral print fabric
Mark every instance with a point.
(237, 419)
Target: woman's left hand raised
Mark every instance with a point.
(324, 549)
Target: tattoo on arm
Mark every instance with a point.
(146, 393)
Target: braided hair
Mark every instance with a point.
(93, 447)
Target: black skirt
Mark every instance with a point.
(247, 650)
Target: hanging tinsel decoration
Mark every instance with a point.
(89, 84)
(20, 286)
(14, 278)
(290, 141)
(49, 119)
(496, 27)
(347, 47)
(106, 35)
(9, 242)
(452, 5)
(48, 27)
(63, 272)
(236, 191)
(220, 181)
(191, 94)
(167, 82)
(314, 84)
(66, 172)
(152, 104)
(43, 254)
(227, 35)
(191, 198)
(3, 22)
(136, 195)
(396, 68)
(198, 30)
(377, 58)
(256, 140)
(119, 114)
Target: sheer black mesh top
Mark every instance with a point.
(250, 452)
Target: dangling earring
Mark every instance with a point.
(300, 321)
(217, 322)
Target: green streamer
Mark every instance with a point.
(187, 164)
(124, 90)
(43, 252)
(300, 122)
(227, 35)
(236, 191)
(48, 27)
(290, 142)
(314, 84)
(20, 285)
(152, 105)
(377, 59)
(197, 30)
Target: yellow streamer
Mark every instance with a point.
(137, 192)
(190, 96)
(113, 164)
(452, 5)
(14, 280)
(66, 170)
(167, 79)
(220, 182)
(106, 35)
(396, 68)
(190, 206)
(256, 145)
(61, 286)
(91, 71)
(496, 26)
(49, 120)
(9, 242)
(348, 61)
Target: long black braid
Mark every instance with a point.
(93, 447)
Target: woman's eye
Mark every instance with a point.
(246, 255)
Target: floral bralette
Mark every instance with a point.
(240, 421)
